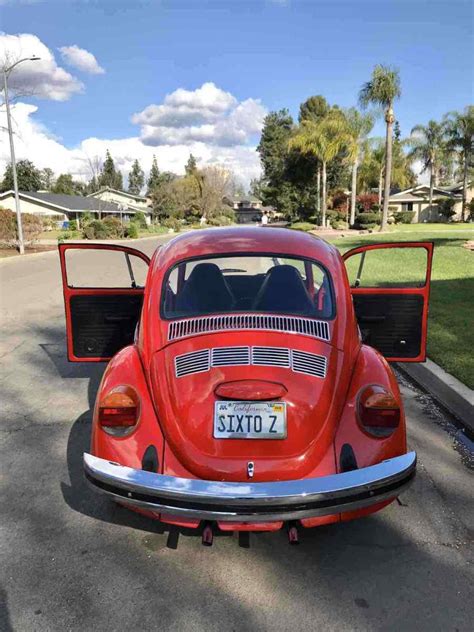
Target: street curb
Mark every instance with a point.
(445, 389)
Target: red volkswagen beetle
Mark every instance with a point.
(248, 386)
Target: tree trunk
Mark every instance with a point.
(318, 188)
(354, 191)
(464, 187)
(380, 188)
(324, 205)
(389, 118)
(430, 198)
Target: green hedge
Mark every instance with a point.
(404, 217)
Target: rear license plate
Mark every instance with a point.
(250, 420)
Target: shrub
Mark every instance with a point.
(7, 227)
(366, 201)
(140, 220)
(364, 221)
(172, 223)
(306, 226)
(86, 218)
(339, 201)
(96, 229)
(404, 217)
(335, 217)
(32, 226)
(132, 231)
(113, 226)
(470, 210)
(220, 220)
(446, 207)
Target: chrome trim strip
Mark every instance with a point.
(213, 324)
(252, 502)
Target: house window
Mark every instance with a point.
(407, 206)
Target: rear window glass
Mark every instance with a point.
(269, 284)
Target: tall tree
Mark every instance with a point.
(109, 175)
(67, 185)
(273, 150)
(427, 143)
(382, 90)
(313, 109)
(28, 176)
(191, 166)
(358, 126)
(136, 179)
(324, 140)
(460, 129)
(47, 179)
(154, 178)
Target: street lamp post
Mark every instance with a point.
(6, 74)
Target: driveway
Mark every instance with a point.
(71, 560)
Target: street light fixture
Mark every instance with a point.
(6, 74)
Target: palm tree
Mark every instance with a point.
(324, 140)
(371, 169)
(358, 126)
(460, 129)
(428, 142)
(382, 90)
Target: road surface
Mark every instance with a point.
(70, 560)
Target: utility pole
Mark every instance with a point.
(6, 74)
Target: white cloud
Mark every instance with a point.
(208, 115)
(34, 142)
(81, 59)
(43, 78)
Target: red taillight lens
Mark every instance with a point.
(119, 409)
(378, 411)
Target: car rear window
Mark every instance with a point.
(271, 284)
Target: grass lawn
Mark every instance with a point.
(450, 330)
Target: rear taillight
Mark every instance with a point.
(119, 410)
(378, 411)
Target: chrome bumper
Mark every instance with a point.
(251, 502)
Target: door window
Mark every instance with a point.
(388, 267)
(95, 268)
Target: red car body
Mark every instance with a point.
(160, 444)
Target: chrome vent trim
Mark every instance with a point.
(271, 356)
(195, 362)
(299, 361)
(309, 363)
(230, 356)
(209, 324)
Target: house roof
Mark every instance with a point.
(122, 193)
(420, 193)
(66, 203)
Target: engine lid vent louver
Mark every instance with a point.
(204, 360)
(195, 362)
(208, 324)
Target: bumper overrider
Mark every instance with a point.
(251, 502)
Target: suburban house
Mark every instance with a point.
(248, 211)
(127, 201)
(68, 207)
(416, 199)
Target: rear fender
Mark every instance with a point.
(125, 368)
(370, 368)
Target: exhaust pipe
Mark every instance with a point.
(292, 530)
(207, 535)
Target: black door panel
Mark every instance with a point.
(103, 324)
(392, 323)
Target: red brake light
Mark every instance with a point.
(119, 409)
(378, 411)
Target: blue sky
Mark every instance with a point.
(273, 52)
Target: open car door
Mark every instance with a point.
(390, 286)
(103, 288)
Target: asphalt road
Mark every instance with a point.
(70, 560)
